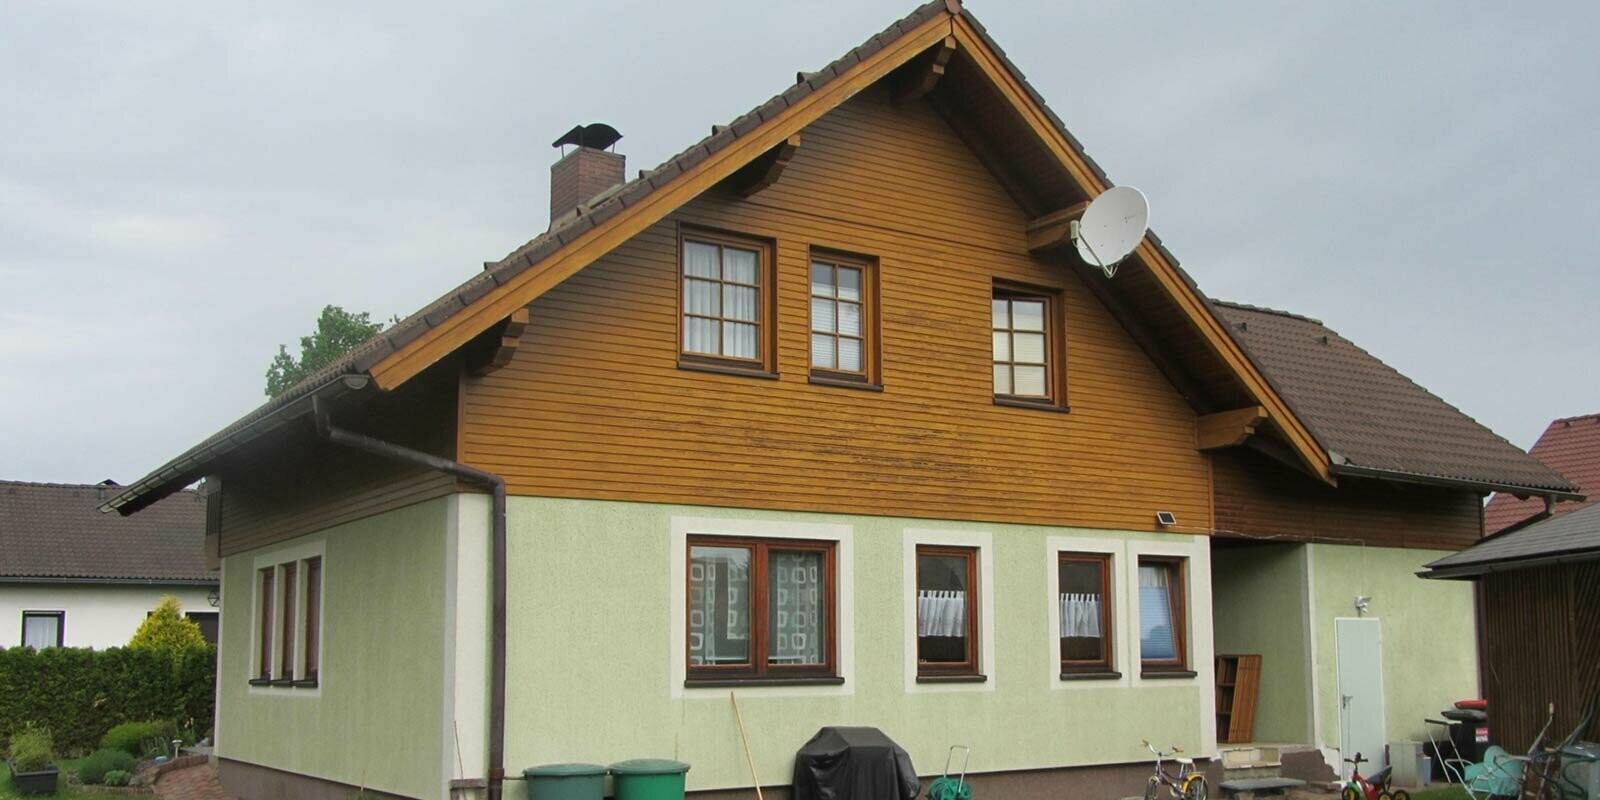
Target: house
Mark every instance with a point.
(1540, 585)
(73, 577)
(820, 412)
(1570, 446)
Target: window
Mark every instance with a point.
(1084, 598)
(288, 623)
(727, 303)
(947, 611)
(1161, 615)
(760, 609)
(843, 296)
(41, 629)
(1027, 362)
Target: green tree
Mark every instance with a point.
(338, 331)
(167, 629)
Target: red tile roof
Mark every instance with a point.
(1570, 446)
(52, 532)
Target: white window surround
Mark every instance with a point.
(983, 541)
(1124, 645)
(677, 611)
(1196, 550)
(296, 553)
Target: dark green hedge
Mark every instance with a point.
(79, 694)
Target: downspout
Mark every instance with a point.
(497, 624)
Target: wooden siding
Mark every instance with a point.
(302, 484)
(593, 404)
(1541, 645)
(1256, 496)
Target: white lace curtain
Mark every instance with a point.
(941, 613)
(1080, 615)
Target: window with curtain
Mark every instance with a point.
(1084, 603)
(1161, 614)
(947, 611)
(842, 314)
(264, 624)
(726, 291)
(1026, 358)
(759, 609)
(42, 629)
(288, 623)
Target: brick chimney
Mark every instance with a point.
(587, 170)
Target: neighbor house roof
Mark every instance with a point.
(1374, 421)
(576, 240)
(1574, 536)
(1570, 446)
(53, 532)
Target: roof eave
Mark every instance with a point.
(56, 579)
(1358, 471)
(1481, 568)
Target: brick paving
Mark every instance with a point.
(194, 783)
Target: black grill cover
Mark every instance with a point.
(853, 764)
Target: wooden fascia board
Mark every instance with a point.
(440, 341)
(1305, 445)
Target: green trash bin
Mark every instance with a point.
(566, 782)
(648, 779)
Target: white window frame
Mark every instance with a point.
(276, 560)
(677, 606)
(983, 542)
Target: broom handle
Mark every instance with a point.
(746, 739)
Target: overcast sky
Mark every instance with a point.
(184, 185)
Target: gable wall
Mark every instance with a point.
(594, 405)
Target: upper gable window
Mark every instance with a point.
(726, 302)
(843, 344)
(1027, 351)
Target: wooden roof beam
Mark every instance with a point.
(510, 338)
(924, 73)
(1055, 228)
(1227, 428)
(766, 168)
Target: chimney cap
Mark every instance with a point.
(597, 135)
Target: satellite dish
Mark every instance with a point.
(1111, 228)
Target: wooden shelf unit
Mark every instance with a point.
(1238, 686)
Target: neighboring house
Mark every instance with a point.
(1540, 585)
(1569, 446)
(822, 412)
(71, 576)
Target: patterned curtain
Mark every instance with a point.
(794, 601)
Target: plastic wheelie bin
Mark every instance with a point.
(648, 779)
(566, 782)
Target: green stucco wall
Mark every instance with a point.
(375, 721)
(1259, 602)
(590, 644)
(1429, 635)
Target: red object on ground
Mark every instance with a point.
(1478, 705)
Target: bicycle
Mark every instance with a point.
(1373, 788)
(1187, 784)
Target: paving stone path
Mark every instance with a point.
(194, 783)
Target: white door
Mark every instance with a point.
(1359, 645)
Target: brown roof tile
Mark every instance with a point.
(1570, 446)
(1368, 415)
(52, 531)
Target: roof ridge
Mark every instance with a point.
(1265, 310)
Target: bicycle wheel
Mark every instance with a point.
(1152, 788)
(1195, 788)
(1350, 793)
(1401, 794)
(1384, 795)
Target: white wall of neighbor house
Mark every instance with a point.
(97, 615)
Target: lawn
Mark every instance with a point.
(1451, 792)
(62, 791)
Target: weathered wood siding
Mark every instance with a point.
(593, 405)
(1541, 645)
(304, 484)
(1257, 496)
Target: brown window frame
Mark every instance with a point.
(288, 573)
(955, 669)
(1107, 665)
(758, 671)
(266, 577)
(313, 621)
(1055, 370)
(1177, 601)
(765, 363)
(869, 376)
(61, 625)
